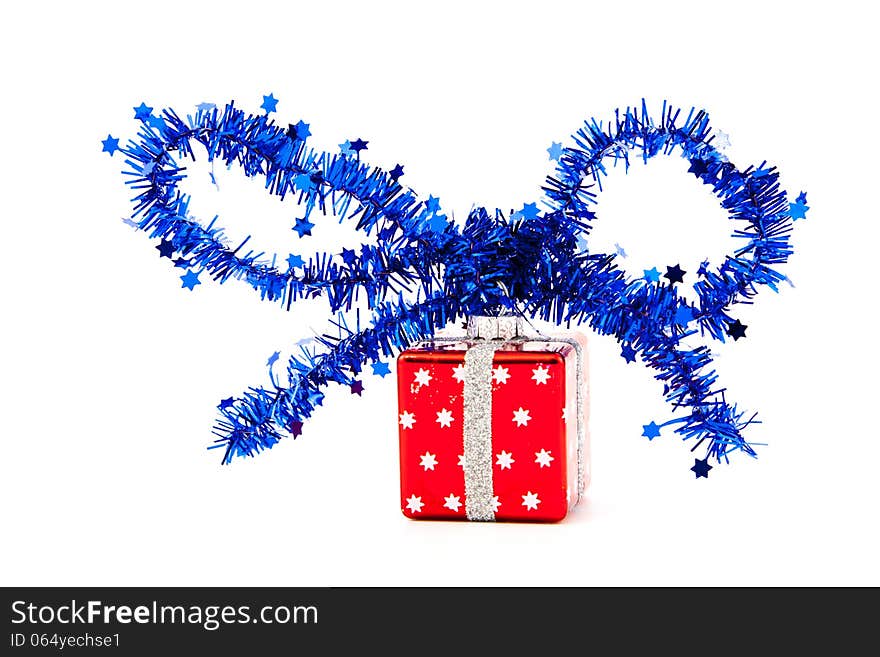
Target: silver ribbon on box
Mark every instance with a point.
(489, 335)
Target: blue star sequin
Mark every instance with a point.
(165, 248)
(701, 468)
(303, 227)
(529, 211)
(555, 151)
(226, 403)
(357, 388)
(273, 359)
(438, 223)
(304, 182)
(684, 315)
(652, 275)
(111, 145)
(348, 257)
(294, 261)
(432, 204)
(142, 112)
(737, 330)
(359, 145)
(698, 168)
(651, 431)
(396, 172)
(269, 103)
(704, 268)
(798, 209)
(190, 279)
(628, 353)
(302, 130)
(205, 107)
(381, 369)
(182, 262)
(156, 122)
(345, 148)
(674, 274)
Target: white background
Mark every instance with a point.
(111, 372)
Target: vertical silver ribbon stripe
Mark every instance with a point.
(478, 488)
(492, 333)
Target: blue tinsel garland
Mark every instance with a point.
(531, 263)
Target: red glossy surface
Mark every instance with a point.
(531, 477)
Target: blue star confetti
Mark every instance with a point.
(684, 315)
(190, 279)
(142, 112)
(555, 151)
(675, 274)
(701, 468)
(273, 359)
(538, 264)
(303, 227)
(737, 330)
(798, 209)
(651, 430)
(111, 145)
(348, 256)
(438, 223)
(294, 261)
(165, 248)
(529, 211)
(357, 388)
(269, 103)
(156, 122)
(381, 369)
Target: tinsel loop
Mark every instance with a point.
(425, 270)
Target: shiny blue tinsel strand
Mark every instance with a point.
(425, 271)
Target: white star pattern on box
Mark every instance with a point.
(414, 503)
(458, 372)
(540, 375)
(423, 377)
(500, 374)
(565, 413)
(444, 418)
(452, 502)
(495, 504)
(521, 417)
(505, 460)
(461, 460)
(407, 420)
(543, 458)
(531, 501)
(429, 461)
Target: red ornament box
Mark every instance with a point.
(518, 449)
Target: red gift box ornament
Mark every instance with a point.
(493, 424)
